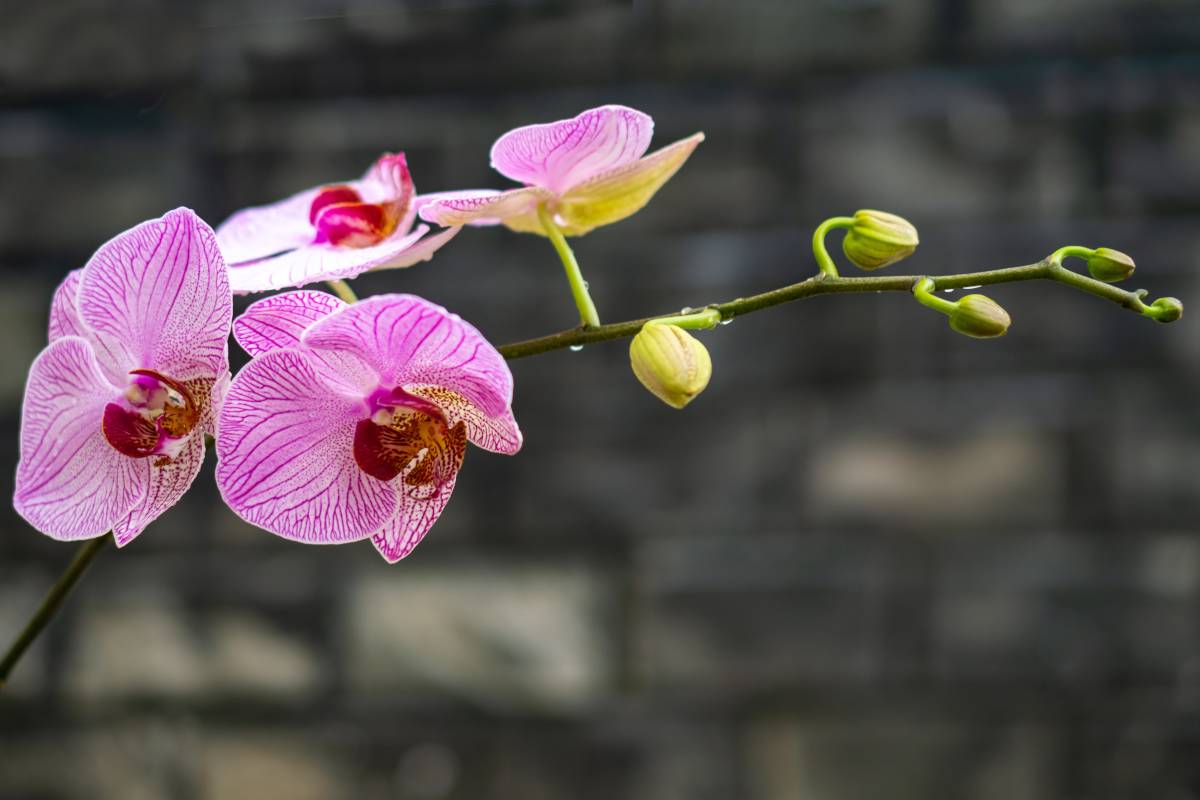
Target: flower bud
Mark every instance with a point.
(670, 362)
(1109, 265)
(1166, 309)
(878, 239)
(979, 316)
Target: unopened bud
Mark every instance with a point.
(670, 362)
(1166, 309)
(878, 239)
(979, 316)
(1110, 266)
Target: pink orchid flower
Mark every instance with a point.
(117, 405)
(329, 232)
(587, 172)
(352, 421)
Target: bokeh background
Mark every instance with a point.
(873, 559)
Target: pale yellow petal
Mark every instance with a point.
(619, 192)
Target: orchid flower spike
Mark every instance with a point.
(117, 405)
(351, 421)
(329, 232)
(587, 172)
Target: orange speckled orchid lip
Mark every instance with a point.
(164, 410)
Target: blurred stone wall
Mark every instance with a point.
(875, 559)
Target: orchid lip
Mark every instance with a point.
(404, 432)
(156, 416)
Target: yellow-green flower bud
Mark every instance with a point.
(670, 362)
(1109, 265)
(979, 316)
(1166, 309)
(877, 239)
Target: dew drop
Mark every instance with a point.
(686, 310)
(575, 348)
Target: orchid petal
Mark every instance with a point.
(166, 484)
(499, 433)
(483, 206)
(157, 297)
(617, 193)
(325, 262)
(259, 232)
(285, 454)
(560, 154)
(408, 340)
(64, 308)
(71, 484)
(276, 323)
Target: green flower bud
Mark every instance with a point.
(979, 316)
(1165, 309)
(670, 362)
(877, 239)
(1109, 265)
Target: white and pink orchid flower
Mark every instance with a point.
(330, 232)
(352, 421)
(587, 171)
(117, 405)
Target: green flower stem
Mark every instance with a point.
(342, 290)
(50, 604)
(824, 262)
(1071, 250)
(826, 284)
(924, 290)
(579, 289)
(696, 321)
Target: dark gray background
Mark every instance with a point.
(874, 559)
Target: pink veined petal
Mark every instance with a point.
(414, 516)
(325, 262)
(498, 434)
(408, 340)
(276, 322)
(64, 308)
(618, 193)
(71, 483)
(157, 297)
(263, 231)
(285, 455)
(434, 197)
(165, 486)
(483, 206)
(558, 155)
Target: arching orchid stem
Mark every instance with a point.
(342, 290)
(826, 284)
(50, 604)
(579, 289)
(824, 261)
(1163, 310)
